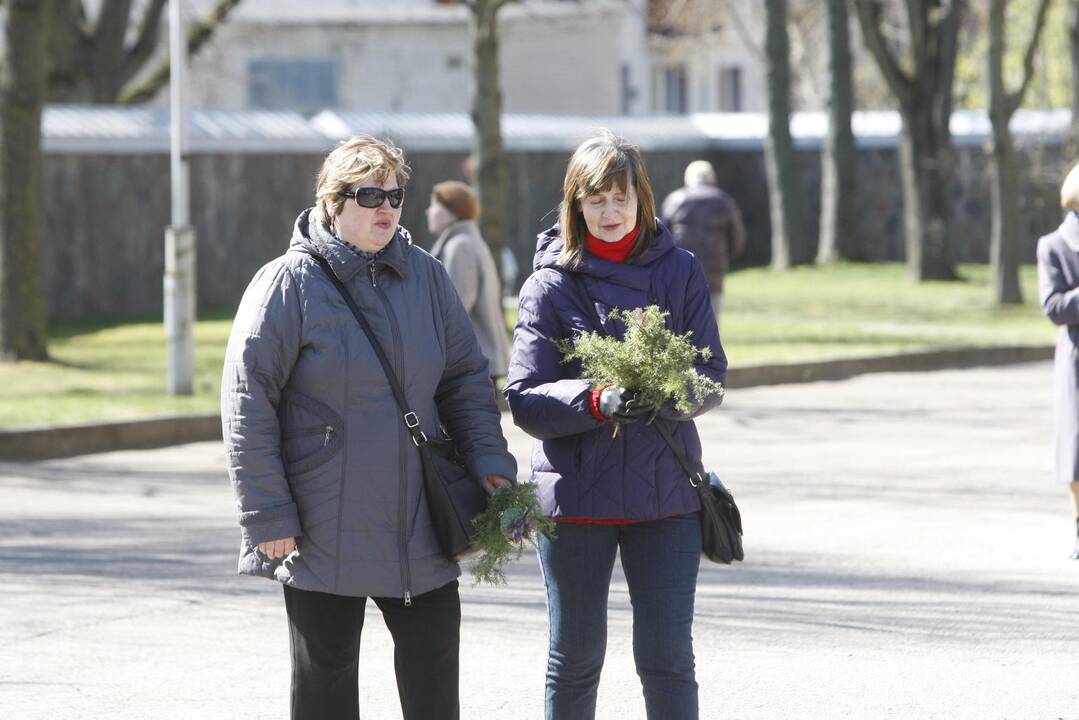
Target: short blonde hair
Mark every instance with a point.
(350, 162)
(1069, 191)
(595, 166)
(700, 172)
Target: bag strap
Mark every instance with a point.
(695, 478)
(412, 421)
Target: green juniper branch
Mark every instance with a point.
(653, 361)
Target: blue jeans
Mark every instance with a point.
(660, 559)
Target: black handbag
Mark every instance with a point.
(721, 521)
(454, 497)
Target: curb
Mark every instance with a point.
(64, 441)
(842, 369)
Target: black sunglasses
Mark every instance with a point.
(372, 197)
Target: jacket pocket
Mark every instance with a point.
(311, 433)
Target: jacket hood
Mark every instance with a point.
(311, 237)
(633, 273)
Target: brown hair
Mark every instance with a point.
(458, 198)
(595, 166)
(351, 161)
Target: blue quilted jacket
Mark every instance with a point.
(581, 470)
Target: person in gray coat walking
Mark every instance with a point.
(1058, 288)
(451, 217)
(328, 482)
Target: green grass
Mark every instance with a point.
(110, 372)
(852, 310)
(115, 371)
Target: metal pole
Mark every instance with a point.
(179, 281)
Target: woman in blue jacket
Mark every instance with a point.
(611, 492)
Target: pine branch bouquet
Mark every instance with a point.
(652, 361)
(513, 516)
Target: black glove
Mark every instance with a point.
(620, 405)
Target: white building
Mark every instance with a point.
(557, 57)
(594, 57)
(706, 56)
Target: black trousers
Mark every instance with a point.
(324, 636)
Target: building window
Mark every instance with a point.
(300, 85)
(730, 89)
(674, 84)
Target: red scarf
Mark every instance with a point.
(614, 251)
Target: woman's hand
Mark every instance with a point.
(493, 482)
(275, 549)
(621, 405)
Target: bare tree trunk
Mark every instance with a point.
(789, 243)
(1004, 257)
(924, 94)
(838, 237)
(23, 330)
(1003, 254)
(487, 119)
(925, 157)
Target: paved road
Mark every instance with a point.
(906, 558)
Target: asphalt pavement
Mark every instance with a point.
(906, 557)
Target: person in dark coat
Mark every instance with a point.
(328, 482)
(706, 221)
(1058, 288)
(611, 493)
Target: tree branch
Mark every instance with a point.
(197, 35)
(916, 21)
(743, 33)
(1015, 99)
(110, 30)
(947, 40)
(69, 48)
(868, 12)
(144, 46)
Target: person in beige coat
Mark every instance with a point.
(451, 216)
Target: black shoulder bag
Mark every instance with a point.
(454, 497)
(721, 522)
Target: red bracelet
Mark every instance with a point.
(593, 403)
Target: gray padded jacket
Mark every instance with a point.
(315, 443)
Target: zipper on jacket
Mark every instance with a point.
(374, 279)
(329, 434)
(402, 497)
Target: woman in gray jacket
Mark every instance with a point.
(451, 217)
(1058, 288)
(327, 479)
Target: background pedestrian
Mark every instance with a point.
(706, 221)
(451, 217)
(1058, 289)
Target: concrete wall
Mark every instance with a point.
(106, 214)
